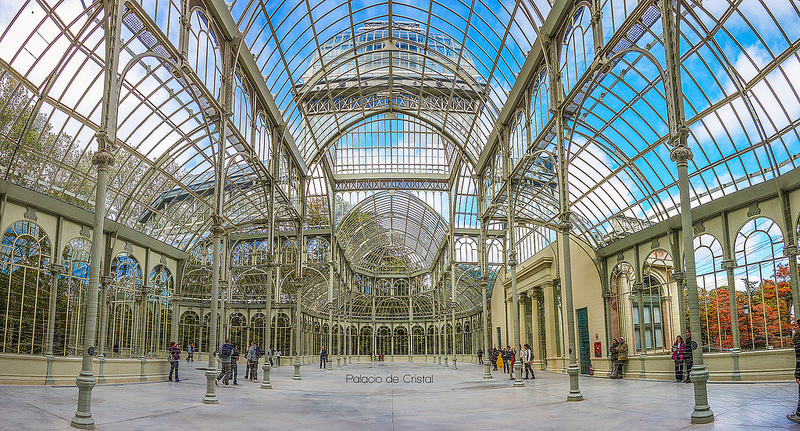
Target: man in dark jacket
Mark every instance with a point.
(688, 359)
(175, 359)
(795, 417)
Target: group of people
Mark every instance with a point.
(683, 357)
(507, 357)
(619, 357)
(229, 358)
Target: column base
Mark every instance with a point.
(736, 375)
(574, 385)
(702, 413)
(329, 365)
(518, 383)
(211, 392)
(101, 360)
(48, 378)
(143, 376)
(445, 361)
(455, 367)
(265, 383)
(297, 370)
(642, 372)
(338, 362)
(83, 416)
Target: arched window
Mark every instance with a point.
(258, 327)
(712, 283)
(126, 289)
(189, 330)
(238, 330)
(159, 310)
(657, 281)
(281, 325)
(418, 340)
(400, 341)
(24, 288)
(70, 305)
(384, 341)
(365, 346)
(762, 275)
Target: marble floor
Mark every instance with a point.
(425, 396)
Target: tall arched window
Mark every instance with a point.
(656, 308)
(400, 341)
(365, 346)
(384, 341)
(281, 326)
(189, 330)
(418, 337)
(127, 284)
(762, 275)
(715, 313)
(24, 288)
(159, 310)
(70, 306)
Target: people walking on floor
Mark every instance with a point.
(175, 359)
(688, 357)
(225, 353)
(480, 356)
(678, 356)
(190, 352)
(269, 356)
(622, 358)
(506, 359)
(278, 358)
(795, 417)
(527, 357)
(613, 356)
(235, 363)
(252, 361)
(323, 358)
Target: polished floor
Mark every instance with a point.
(453, 400)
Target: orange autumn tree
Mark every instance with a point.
(767, 323)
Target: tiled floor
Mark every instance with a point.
(327, 400)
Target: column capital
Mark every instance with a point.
(512, 258)
(103, 158)
(678, 276)
(55, 269)
(637, 286)
(728, 264)
(680, 154)
(607, 293)
(106, 280)
(216, 225)
(565, 225)
(790, 251)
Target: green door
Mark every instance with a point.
(583, 339)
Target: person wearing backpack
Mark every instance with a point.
(175, 359)
(252, 361)
(235, 363)
(225, 353)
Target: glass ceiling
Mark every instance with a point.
(442, 70)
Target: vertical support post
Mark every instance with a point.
(565, 224)
(681, 154)
(729, 264)
(484, 284)
(105, 281)
(103, 158)
(55, 270)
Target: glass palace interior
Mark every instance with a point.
(416, 179)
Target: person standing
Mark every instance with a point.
(252, 361)
(622, 357)
(795, 417)
(506, 358)
(235, 363)
(190, 352)
(278, 358)
(225, 353)
(677, 355)
(613, 355)
(323, 358)
(527, 357)
(175, 359)
(480, 356)
(269, 356)
(512, 358)
(688, 357)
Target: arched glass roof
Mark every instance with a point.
(392, 232)
(448, 70)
